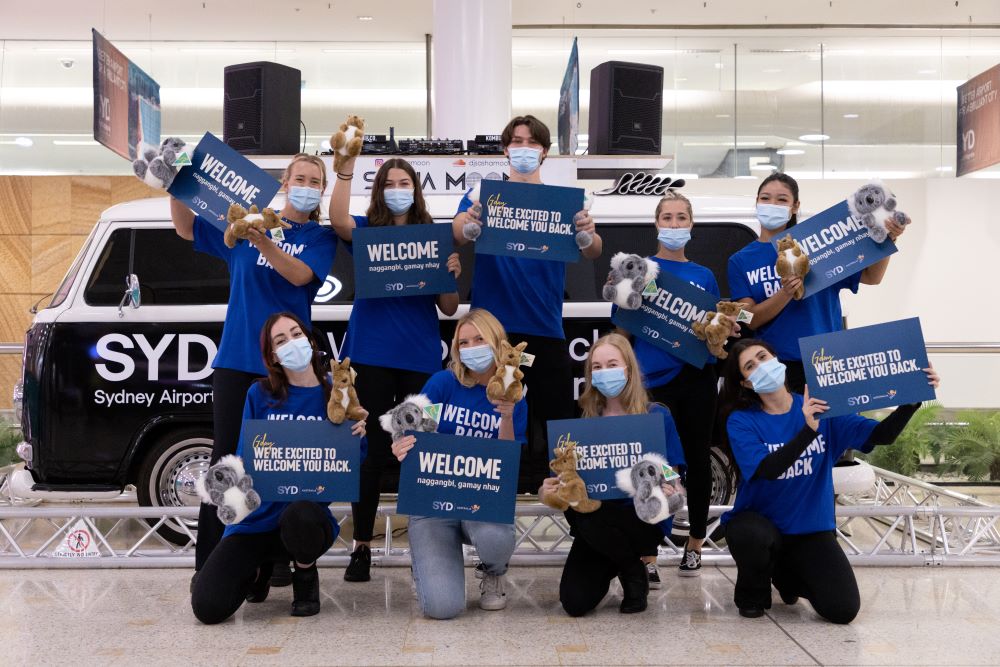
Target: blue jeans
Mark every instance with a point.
(438, 563)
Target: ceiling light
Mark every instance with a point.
(772, 70)
(926, 71)
(74, 142)
(942, 168)
(850, 115)
(814, 137)
(719, 65)
(365, 18)
(722, 115)
(678, 79)
(24, 142)
(790, 151)
(763, 167)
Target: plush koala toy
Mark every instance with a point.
(628, 278)
(241, 221)
(472, 230)
(408, 416)
(643, 482)
(716, 328)
(155, 166)
(505, 385)
(793, 262)
(874, 205)
(347, 141)
(344, 399)
(227, 486)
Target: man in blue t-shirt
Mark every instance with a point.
(526, 295)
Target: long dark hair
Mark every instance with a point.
(379, 214)
(792, 185)
(276, 382)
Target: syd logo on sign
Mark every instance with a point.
(292, 490)
(597, 488)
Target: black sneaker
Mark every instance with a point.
(281, 574)
(359, 569)
(653, 575)
(751, 612)
(690, 564)
(305, 591)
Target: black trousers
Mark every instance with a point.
(379, 390)
(691, 397)
(229, 394)
(795, 376)
(304, 534)
(811, 566)
(606, 543)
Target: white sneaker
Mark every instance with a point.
(493, 596)
(653, 575)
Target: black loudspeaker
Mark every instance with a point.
(262, 108)
(626, 109)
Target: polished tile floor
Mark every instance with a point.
(945, 616)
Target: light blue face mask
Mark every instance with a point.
(399, 200)
(772, 216)
(768, 377)
(525, 160)
(609, 381)
(304, 199)
(296, 354)
(477, 359)
(674, 238)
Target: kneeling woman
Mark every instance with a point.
(296, 387)
(781, 527)
(436, 542)
(611, 541)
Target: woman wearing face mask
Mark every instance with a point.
(296, 387)
(265, 276)
(781, 527)
(435, 542)
(611, 541)
(777, 317)
(393, 342)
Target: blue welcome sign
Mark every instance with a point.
(302, 460)
(403, 260)
(605, 445)
(838, 246)
(458, 477)
(219, 176)
(867, 368)
(666, 316)
(529, 220)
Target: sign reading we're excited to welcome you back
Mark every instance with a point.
(529, 220)
(403, 261)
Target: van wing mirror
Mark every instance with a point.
(132, 296)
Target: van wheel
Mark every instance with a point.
(167, 476)
(723, 489)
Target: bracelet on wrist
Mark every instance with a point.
(345, 177)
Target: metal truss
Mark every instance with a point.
(902, 522)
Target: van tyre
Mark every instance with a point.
(167, 475)
(723, 491)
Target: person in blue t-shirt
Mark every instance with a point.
(394, 342)
(526, 295)
(436, 542)
(266, 275)
(297, 386)
(778, 318)
(781, 527)
(612, 541)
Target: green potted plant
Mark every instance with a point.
(972, 446)
(923, 436)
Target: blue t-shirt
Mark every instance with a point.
(257, 291)
(658, 366)
(526, 295)
(302, 403)
(752, 274)
(675, 452)
(467, 411)
(394, 331)
(801, 500)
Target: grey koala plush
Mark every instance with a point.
(408, 416)
(643, 482)
(628, 277)
(155, 166)
(227, 486)
(874, 205)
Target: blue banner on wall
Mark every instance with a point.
(529, 220)
(302, 460)
(838, 246)
(867, 368)
(665, 318)
(605, 445)
(457, 477)
(403, 261)
(219, 176)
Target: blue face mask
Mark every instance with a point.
(304, 199)
(399, 200)
(674, 239)
(296, 354)
(773, 217)
(609, 381)
(477, 359)
(768, 377)
(525, 160)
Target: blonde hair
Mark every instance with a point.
(311, 159)
(491, 330)
(634, 398)
(670, 195)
